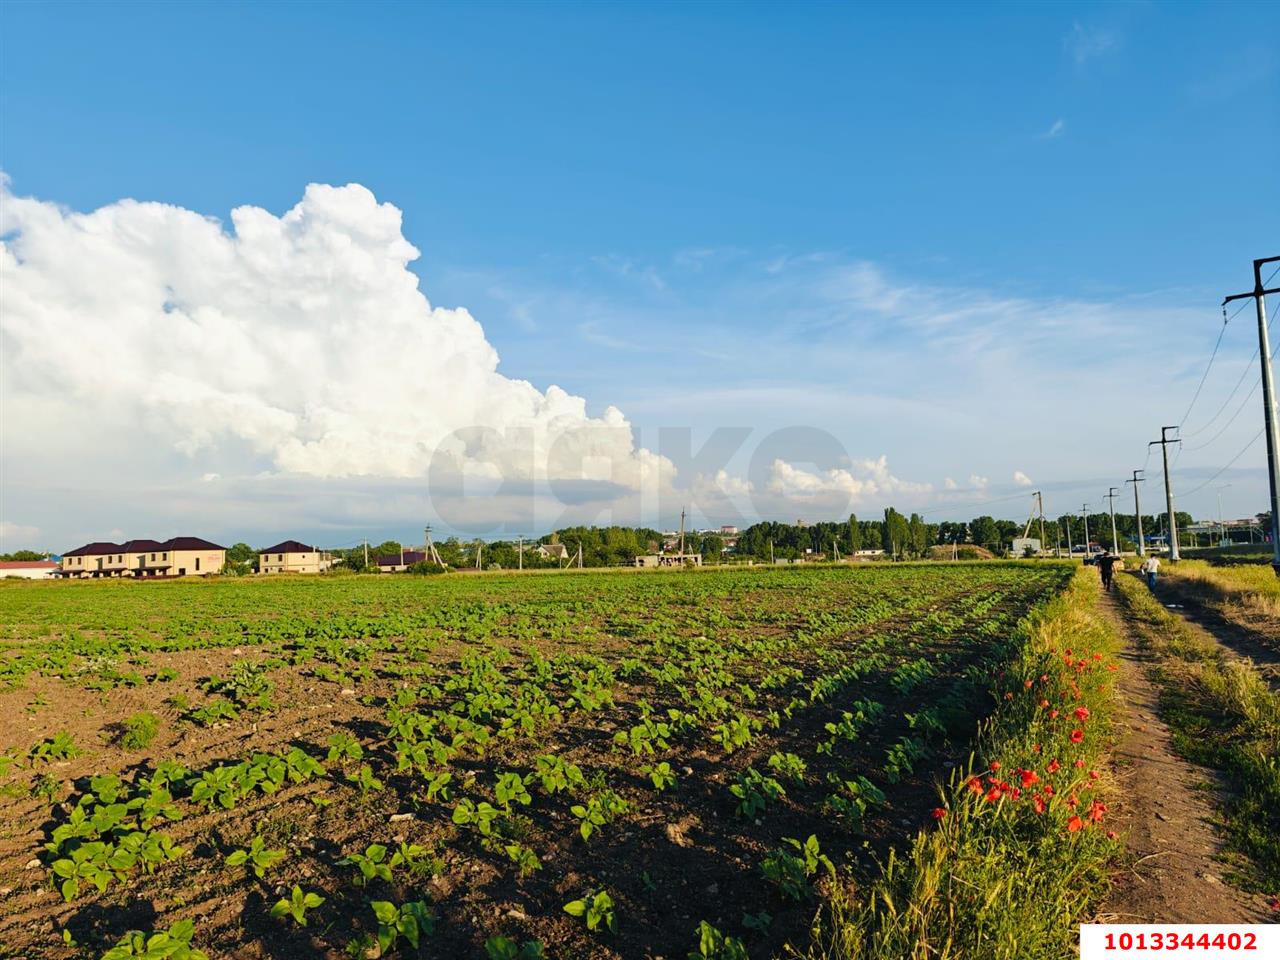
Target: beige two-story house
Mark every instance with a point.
(293, 557)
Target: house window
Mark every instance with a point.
(164, 556)
(279, 557)
(153, 556)
(197, 563)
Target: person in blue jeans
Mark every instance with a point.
(1150, 569)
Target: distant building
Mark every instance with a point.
(551, 551)
(293, 557)
(176, 557)
(728, 530)
(1025, 546)
(399, 562)
(29, 569)
(669, 560)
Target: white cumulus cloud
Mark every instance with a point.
(1021, 479)
(301, 342)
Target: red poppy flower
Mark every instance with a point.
(1074, 824)
(1112, 666)
(993, 795)
(1096, 811)
(995, 764)
(1082, 714)
(1077, 735)
(939, 813)
(1093, 774)
(1027, 684)
(1029, 777)
(1035, 748)
(1073, 801)
(1047, 789)
(1043, 704)
(1044, 678)
(1054, 765)
(975, 785)
(1039, 804)
(1079, 764)
(1053, 714)
(1097, 656)
(1111, 834)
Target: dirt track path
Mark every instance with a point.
(1166, 814)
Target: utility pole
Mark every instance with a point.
(1137, 509)
(1040, 503)
(1222, 526)
(1115, 540)
(1065, 521)
(366, 554)
(1268, 400)
(1084, 515)
(1164, 442)
(682, 535)
(771, 552)
(430, 548)
(520, 553)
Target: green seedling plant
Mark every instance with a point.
(510, 789)
(58, 747)
(791, 872)
(523, 857)
(371, 865)
(596, 909)
(410, 920)
(364, 780)
(296, 905)
(171, 944)
(755, 792)
(343, 747)
(499, 947)
(714, 945)
(256, 856)
(603, 808)
(557, 775)
(788, 766)
(661, 775)
(478, 817)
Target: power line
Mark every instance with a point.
(1228, 466)
(1213, 356)
(1243, 374)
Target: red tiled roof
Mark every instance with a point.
(28, 565)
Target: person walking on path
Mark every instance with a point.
(1151, 567)
(1106, 566)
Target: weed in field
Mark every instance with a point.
(139, 731)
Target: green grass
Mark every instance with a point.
(996, 880)
(1223, 716)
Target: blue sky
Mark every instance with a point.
(879, 220)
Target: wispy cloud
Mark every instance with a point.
(1085, 43)
(1056, 129)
